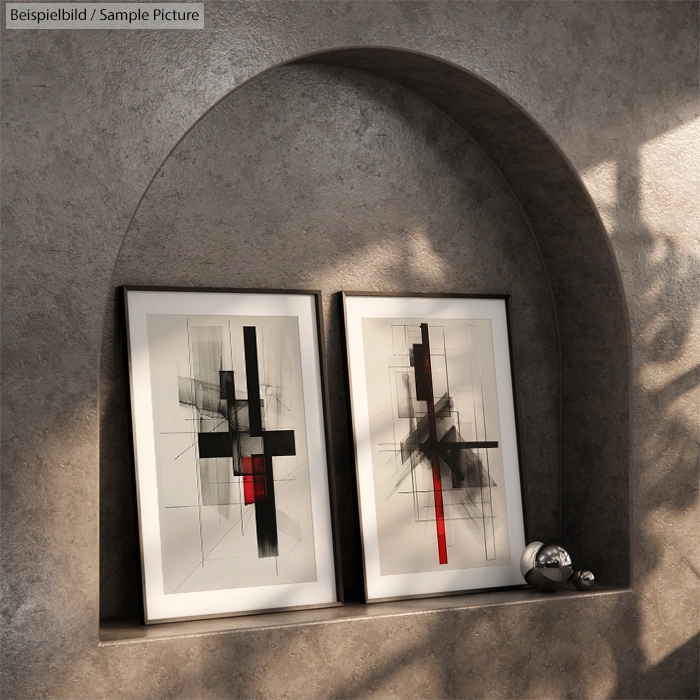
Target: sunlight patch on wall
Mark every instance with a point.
(669, 185)
(669, 377)
(666, 595)
(425, 263)
(407, 264)
(601, 182)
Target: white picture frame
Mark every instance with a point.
(234, 497)
(440, 498)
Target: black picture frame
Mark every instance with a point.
(384, 583)
(159, 322)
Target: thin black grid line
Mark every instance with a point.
(197, 463)
(476, 430)
(488, 469)
(237, 457)
(226, 534)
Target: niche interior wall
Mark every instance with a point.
(315, 175)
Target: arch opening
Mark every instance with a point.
(344, 180)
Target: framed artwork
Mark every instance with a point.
(230, 438)
(436, 450)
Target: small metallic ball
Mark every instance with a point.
(584, 580)
(527, 560)
(552, 567)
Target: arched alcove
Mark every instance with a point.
(388, 171)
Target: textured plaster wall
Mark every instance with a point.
(89, 117)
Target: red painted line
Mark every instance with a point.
(253, 469)
(248, 488)
(435, 459)
(439, 511)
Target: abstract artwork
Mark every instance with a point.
(435, 443)
(229, 432)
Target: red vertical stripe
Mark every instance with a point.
(435, 459)
(253, 469)
(439, 511)
(247, 469)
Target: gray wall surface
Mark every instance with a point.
(104, 185)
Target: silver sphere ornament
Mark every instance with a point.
(549, 568)
(527, 560)
(584, 580)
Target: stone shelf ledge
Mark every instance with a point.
(130, 631)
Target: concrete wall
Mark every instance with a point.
(89, 119)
